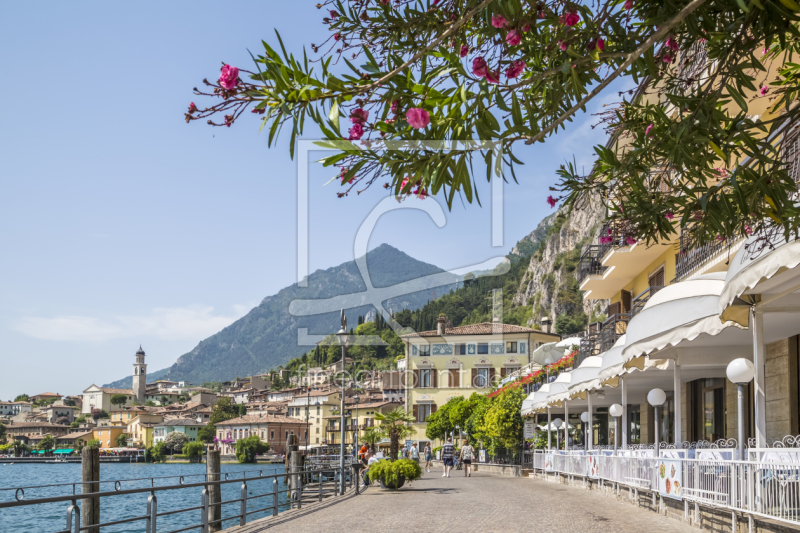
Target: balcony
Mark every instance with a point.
(602, 336)
(604, 269)
(642, 299)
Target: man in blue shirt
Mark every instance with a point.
(448, 456)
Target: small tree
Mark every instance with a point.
(223, 410)
(393, 426)
(93, 443)
(371, 436)
(19, 448)
(176, 441)
(164, 400)
(150, 403)
(99, 413)
(47, 443)
(193, 449)
(207, 433)
(2, 433)
(247, 449)
(156, 453)
(22, 398)
(122, 440)
(242, 409)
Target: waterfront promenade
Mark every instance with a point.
(480, 504)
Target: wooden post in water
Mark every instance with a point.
(214, 492)
(294, 466)
(90, 475)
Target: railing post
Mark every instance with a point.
(214, 491)
(90, 475)
(320, 485)
(153, 512)
(275, 497)
(203, 511)
(74, 518)
(243, 516)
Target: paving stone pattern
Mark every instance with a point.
(482, 503)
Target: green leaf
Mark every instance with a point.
(334, 114)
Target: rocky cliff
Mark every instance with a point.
(549, 284)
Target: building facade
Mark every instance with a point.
(457, 361)
(274, 430)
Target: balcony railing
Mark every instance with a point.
(613, 234)
(640, 301)
(692, 256)
(601, 336)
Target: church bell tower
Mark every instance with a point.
(139, 378)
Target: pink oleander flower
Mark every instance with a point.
(464, 50)
(672, 44)
(526, 28)
(628, 5)
(630, 241)
(493, 77)
(342, 175)
(513, 38)
(356, 132)
(359, 116)
(435, 2)
(647, 131)
(404, 183)
(334, 13)
(420, 193)
(540, 14)
(601, 44)
(571, 18)
(498, 21)
(722, 172)
(606, 240)
(720, 238)
(551, 201)
(748, 229)
(667, 58)
(764, 90)
(336, 37)
(515, 69)
(192, 107)
(228, 77)
(562, 45)
(479, 67)
(418, 118)
(228, 120)
(395, 106)
(668, 215)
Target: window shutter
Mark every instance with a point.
(503, 372)
(491, 377)
(456, 378)
(613, 309)
(434, 378)
(625, 299)
(415, 383)
(433, 408)
(474, 376)
(415, 412)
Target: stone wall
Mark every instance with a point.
(780, 377)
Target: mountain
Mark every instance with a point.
(268, 335)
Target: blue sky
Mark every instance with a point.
(122, 225)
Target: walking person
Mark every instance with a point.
(467, 453)
(414, 453)
(428, 456)
(448, 456)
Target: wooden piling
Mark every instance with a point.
(90, 476)
(214, 492)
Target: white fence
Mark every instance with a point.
(767, 485)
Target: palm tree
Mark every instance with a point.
(371, 436)
(393, 426)
(19, 448)
(47, 443)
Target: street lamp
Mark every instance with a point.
(615, 411)
(656, 398)
(342, 336)
(308, 410)
(585, 420)
(741, 372)
(557, 425)
(355, 433)
(547, 363)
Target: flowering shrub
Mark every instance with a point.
(391, 471)
(517, 72)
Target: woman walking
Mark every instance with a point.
(428, 456)
(467, 452)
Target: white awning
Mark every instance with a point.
(533, 398)
(584, 378)
(762, 272)
(677, 313)
(560, 385)
(566, 344)
(614, 365)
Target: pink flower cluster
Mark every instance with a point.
(515, 69)
(499, 21)
(419, 192)
(358, 117)
(228, 77)
(513, 38)
(418, 118)
(569, 19)
(551, 201)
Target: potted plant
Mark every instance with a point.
(394, 474)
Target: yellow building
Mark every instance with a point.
(140, 430)
(358, 417)
(314, 407)
(108, 435)
(457, 361)
(123, 417)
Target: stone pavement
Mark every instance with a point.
(482, 503)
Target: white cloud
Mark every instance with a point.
(167, 323)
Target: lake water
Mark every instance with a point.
(52, 516)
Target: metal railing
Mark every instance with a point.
(602, 338)
(642, 299)
(591, 261)
(692, 256)
(298, 487)
(766, 485)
